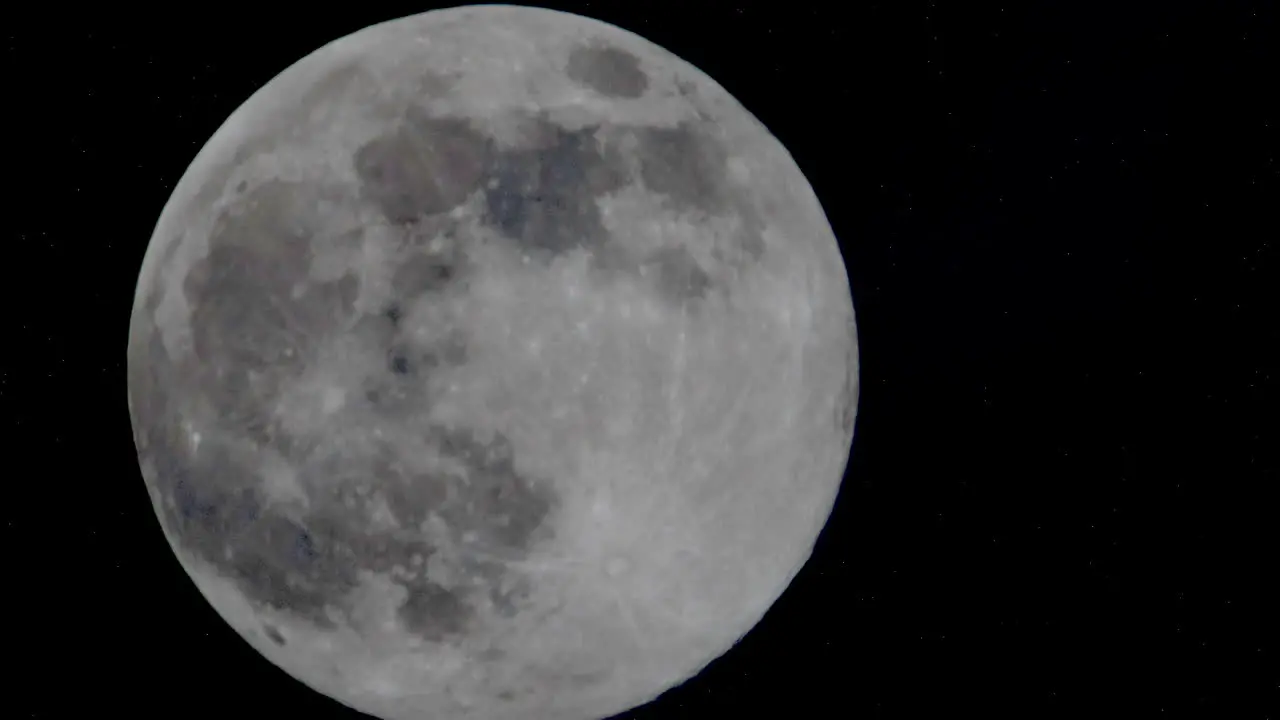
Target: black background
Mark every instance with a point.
(1060, 223)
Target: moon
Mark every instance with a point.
(492, 363)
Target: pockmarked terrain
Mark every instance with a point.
(492, 363)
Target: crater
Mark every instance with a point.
(273, 634)
(393, 313)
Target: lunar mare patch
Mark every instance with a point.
(607, 70)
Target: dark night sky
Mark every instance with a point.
(1060, 223)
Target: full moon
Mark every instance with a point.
(492, 363)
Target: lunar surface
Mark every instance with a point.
(492, 363)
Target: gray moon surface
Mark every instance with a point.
(492, 363)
